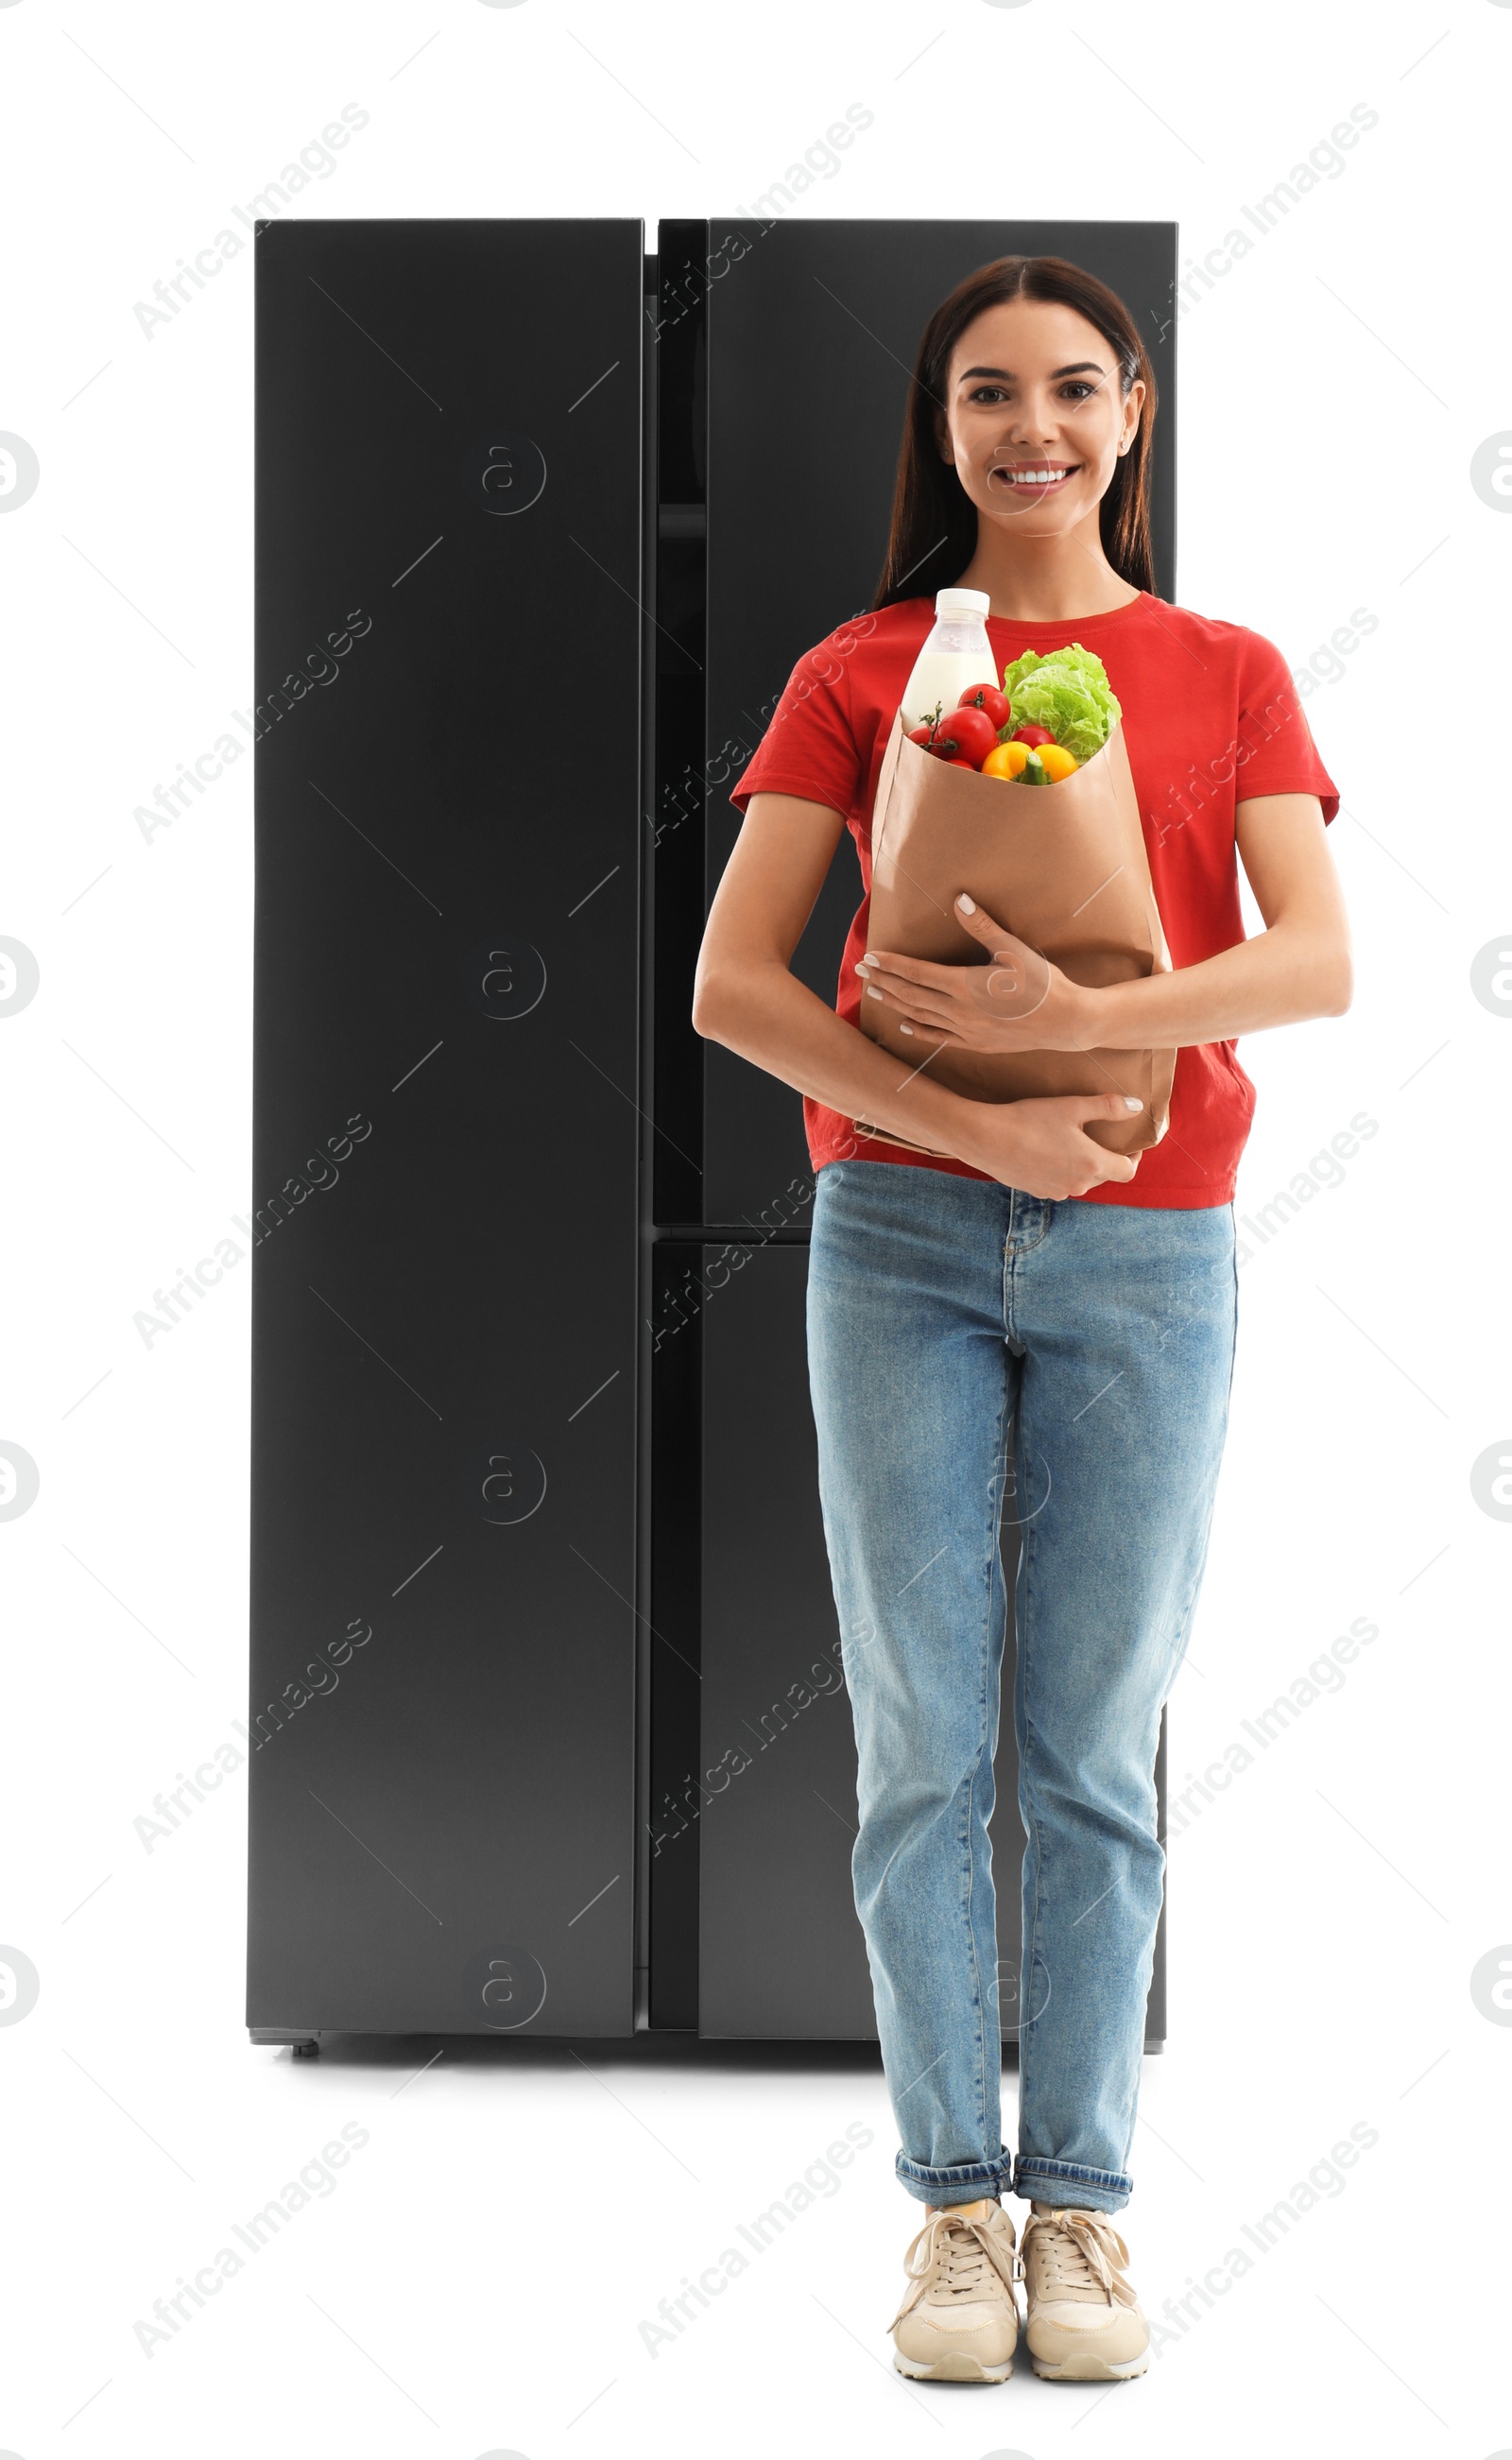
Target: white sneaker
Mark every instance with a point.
(959, 2321)
(1084, 2322)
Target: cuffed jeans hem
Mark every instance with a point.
(960, 2182)
(1067, 2184)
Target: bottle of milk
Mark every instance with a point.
(956, 653)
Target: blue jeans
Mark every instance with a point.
(971, 1346)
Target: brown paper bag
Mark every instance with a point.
(1065, 868)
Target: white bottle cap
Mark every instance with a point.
(962, 601)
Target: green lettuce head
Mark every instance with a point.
(1069, 692)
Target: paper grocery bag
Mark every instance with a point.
(1065, 868)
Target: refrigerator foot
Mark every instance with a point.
(306, 2049)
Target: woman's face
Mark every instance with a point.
(1033, 418)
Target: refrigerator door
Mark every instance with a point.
(784, 350)
(772, 1819)
(812, 332)
(449, 547)
(780, 1949)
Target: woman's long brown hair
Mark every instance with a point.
(933, 534)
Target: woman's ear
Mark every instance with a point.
(1133, 410)
(942, 439)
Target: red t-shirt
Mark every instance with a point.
(1210, 716)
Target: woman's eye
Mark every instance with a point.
(1077, 392)
(989, 395)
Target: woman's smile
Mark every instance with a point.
(1025, 480)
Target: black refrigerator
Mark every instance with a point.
(543, 524)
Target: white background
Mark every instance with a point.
(475, 2282)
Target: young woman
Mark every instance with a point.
(1022, 1302)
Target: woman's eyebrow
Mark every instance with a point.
(1082, 366)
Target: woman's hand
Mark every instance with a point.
(1039, 1145)
(1019, 1002)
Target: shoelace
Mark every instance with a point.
(962, 2253)
(1077, 2250)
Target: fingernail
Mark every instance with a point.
(872, 992)
(1131, 1104)
(905, 1028)
(966, 904)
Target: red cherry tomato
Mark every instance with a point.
(966, 735)
(988, 698)
(960, 764)
(1032, 735)
(919, 734)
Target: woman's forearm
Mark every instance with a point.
(765, 1013)
(1280, 977)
